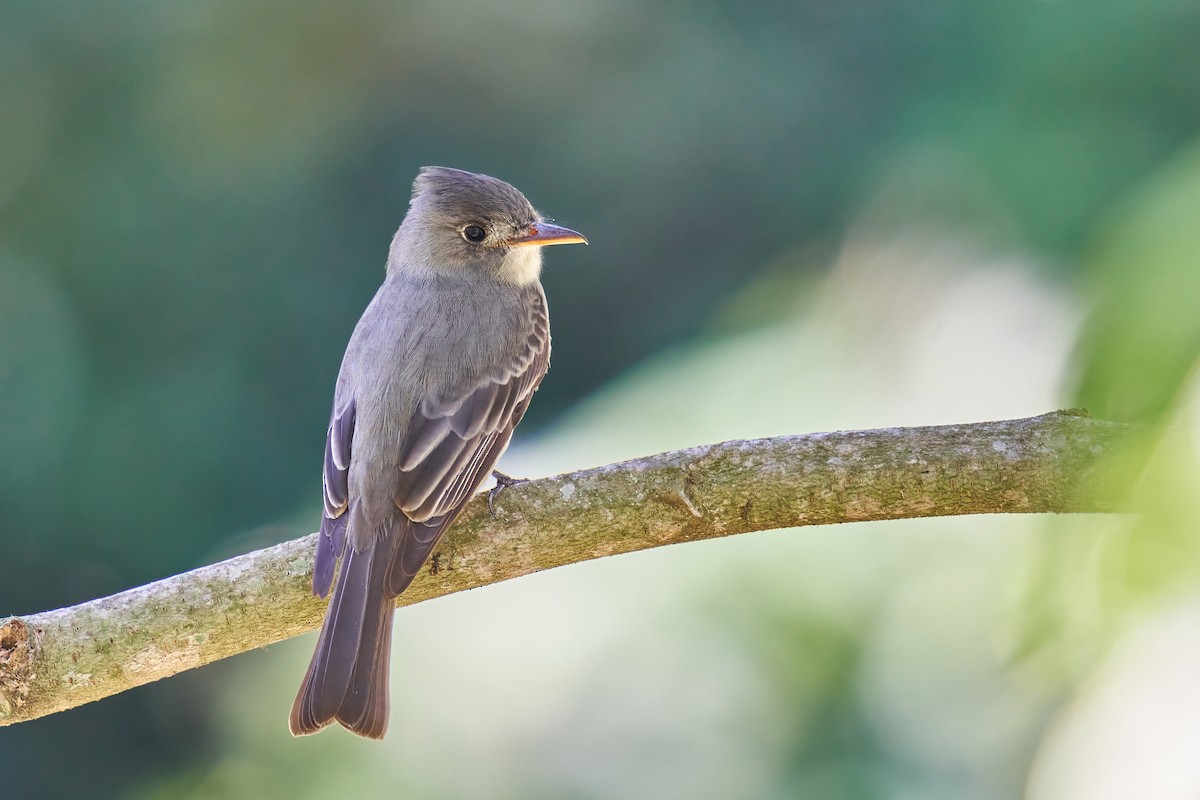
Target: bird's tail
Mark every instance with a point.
(347, 680)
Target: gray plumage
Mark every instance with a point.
(438, 372)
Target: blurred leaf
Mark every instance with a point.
(1143, 335)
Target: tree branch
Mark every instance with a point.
(1060, 462)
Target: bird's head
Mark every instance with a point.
(461, 221)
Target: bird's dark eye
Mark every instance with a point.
(474, 233)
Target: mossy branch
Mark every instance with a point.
(1061, 462)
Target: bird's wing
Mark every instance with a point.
(336, 496)
(454, 440)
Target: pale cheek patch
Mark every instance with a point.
(522, 265)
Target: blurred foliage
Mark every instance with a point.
(1144, 274)
(195, 205)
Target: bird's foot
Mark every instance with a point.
(502, 482)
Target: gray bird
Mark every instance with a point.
(438, 372)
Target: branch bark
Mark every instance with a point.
(1060, 462)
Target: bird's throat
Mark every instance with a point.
(521, 265)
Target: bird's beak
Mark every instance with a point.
(541, 233)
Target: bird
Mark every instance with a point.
(439, 370)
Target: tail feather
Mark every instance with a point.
(347, 680)
(365, 707)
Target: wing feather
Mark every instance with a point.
(425, 434)
(336, 496)
(468, 426)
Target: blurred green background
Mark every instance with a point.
(803, 216)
